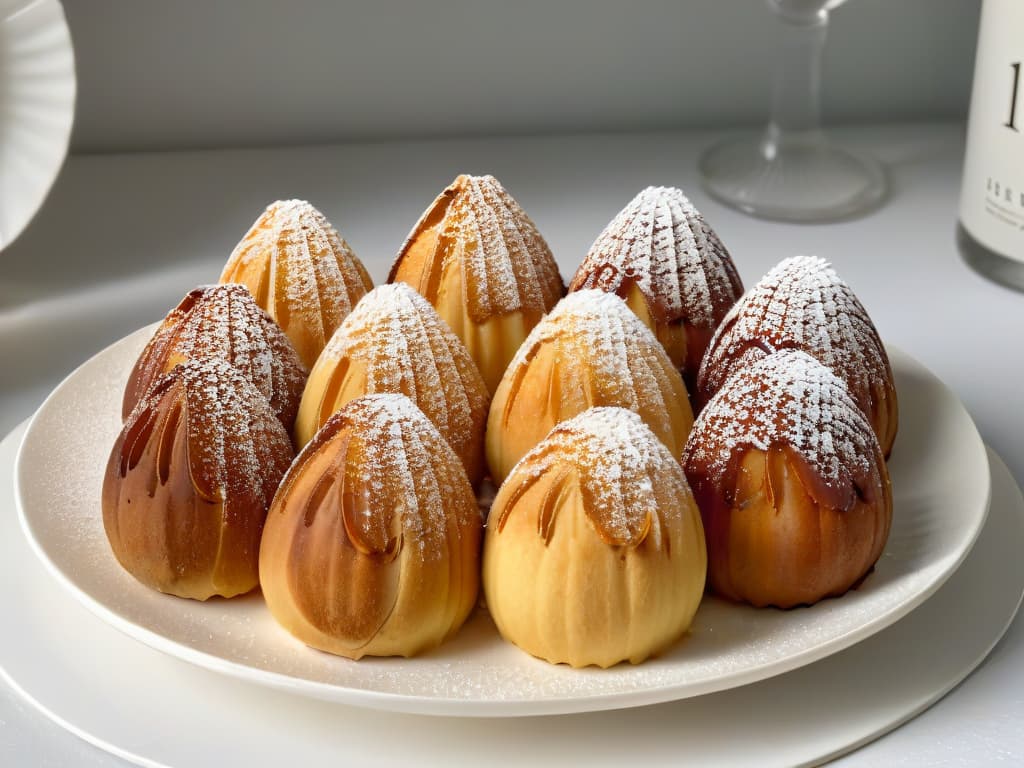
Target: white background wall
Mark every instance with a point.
(195, 73)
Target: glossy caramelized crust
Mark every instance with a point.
(479, 260)
(595, 552)
(803, 304)
(372, 545)
(590, 351)
(660, 255)
(791, 484)
(395, 342)
(223, 322)
(189, 481)
(301, 271)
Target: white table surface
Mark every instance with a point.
(123, 237)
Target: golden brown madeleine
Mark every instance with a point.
(791, 484)
(372, 544)
(803, 304)
(301, 271)
(223, 322)
(660, 255)
(590, 351)
(395, 342)
(477, 257)
(594, 551)
(190, 479)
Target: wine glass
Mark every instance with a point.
(792, 171)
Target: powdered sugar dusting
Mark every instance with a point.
(224, 322)
(401, 473)
(301, 271)
(507, 267)
(406, 348)
(237, 447)
(801, 303)
(787, 399)
(662, 244)
(622, 469)
(596, 333)
(536, 265)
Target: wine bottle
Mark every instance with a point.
(990, 232)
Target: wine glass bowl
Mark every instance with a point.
(803, 9)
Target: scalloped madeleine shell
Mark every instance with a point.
(803, 304)
(479, 260)
(223, 322)
(590, 351)
(660, 255)
(791, 484)
(301, 272)
(189, 481)
(395, 342)
(372, 544)
(594, 551)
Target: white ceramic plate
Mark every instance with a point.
(135, 702)
(941, 489)
(37, 107)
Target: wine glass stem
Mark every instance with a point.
(796, 91)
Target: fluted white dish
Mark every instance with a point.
(37, 107)
(941, 492)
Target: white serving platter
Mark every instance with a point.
(941, 487)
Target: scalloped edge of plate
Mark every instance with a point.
(38, 90)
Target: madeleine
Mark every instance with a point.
(300, 271)
(372, 544)
(791, 484)
(803, 304)
(223, 322)
(660, 255)
(590, 351)
(394, 341)
(189, 481)
(594, 551)
(479, 260)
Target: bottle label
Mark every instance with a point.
(992, 195)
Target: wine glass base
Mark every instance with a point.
(801, 182)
